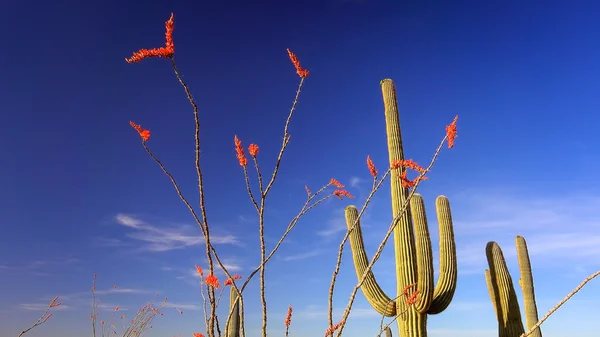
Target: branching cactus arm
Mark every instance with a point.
(370, 288)
(507, 305)
(424, 254)
(526, 282)
(502, 292)
(448, 276)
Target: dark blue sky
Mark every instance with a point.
(522, 75)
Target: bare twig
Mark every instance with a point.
(44, 317)
(206, 230)
(563, 301)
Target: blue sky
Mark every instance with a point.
(523, 77)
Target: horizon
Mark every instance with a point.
(82, 197)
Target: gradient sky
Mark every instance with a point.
(524, 79)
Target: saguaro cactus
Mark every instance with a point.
(414, 262)
(233, 330)
(502, 292)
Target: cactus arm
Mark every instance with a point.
(492, 291)
(388, 332)
(526, 283)
(370, 288)
(233, 330)
(447, 279)
(508, 312)
(424, 254)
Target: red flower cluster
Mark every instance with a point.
(167, 51)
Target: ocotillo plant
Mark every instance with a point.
(502, 292)
(414, 263)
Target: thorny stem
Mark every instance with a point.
(261, 210)
(563, 301)
(195, 216)
(305, 208)
(94, 304)
(211, 292)
(261, 233)
(203, 301)
(286, 138)
(387, 236)
(43, 318)
(247, 179)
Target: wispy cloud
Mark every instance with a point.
(315, 311)
(41, 306)
(334, 226)
(355, 182)
(42, 267)
(122, 291)
(164, 239)
(110, 307)
(182, 306)
(302, 256)
(558, 229)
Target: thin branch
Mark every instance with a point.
(563, 301)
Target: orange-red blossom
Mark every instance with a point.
(253, 150)
(167, 51)
(299, 70)
(288, 317)
(342, 193)
(212, 281)
(336, 183)
(199, 270)
(53, 303)
(145, 134)
(229, 281)
(412, 297)
(371, 167)
(451, 132)
(197, 334)
(332, 329)
(239, 150)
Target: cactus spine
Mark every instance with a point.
(414, 262)
(502, 292)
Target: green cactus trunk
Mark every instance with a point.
(414, 262)
(503, 294)
(233, 329)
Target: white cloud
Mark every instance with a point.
(559, 230)
(41, 307)
(315, 311)
(301, 256)
(122, 291)
(165, 239)
(182, 307)
(355, 181)
(334, 226)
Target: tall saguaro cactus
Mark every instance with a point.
(502, 292)
(414, 262)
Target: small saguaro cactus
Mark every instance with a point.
(233, 329)
(502, 292)
(414, 261)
